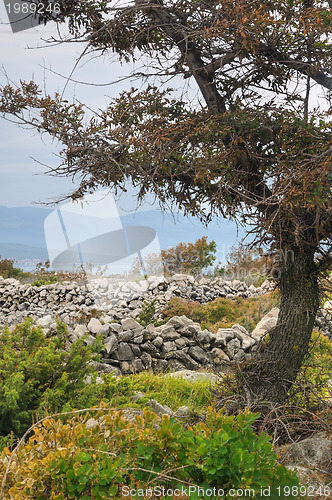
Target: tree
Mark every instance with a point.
(252, 149)
(188, 258)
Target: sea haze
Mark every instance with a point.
(22, 231)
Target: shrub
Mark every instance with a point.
(37, 374)
(148, 311)
(73, 460)
(248, 264)
(7, 269)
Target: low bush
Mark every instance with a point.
(40, 375)
(112, 456)
(222, 312)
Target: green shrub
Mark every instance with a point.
(171, 391)
(7, 269)
(71, 461)
(37, 374)
(148, 311)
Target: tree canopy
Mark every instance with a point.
(254, 148)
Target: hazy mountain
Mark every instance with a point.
(22, 231)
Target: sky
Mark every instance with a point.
(25, 56)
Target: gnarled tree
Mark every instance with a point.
(252, 148)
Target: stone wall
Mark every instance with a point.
(128, 346)
(117, 298)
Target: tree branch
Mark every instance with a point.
(175, 30)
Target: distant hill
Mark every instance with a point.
(23, 225)
(22, 231)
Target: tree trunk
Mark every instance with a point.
(269, 376)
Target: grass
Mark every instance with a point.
(170, 391)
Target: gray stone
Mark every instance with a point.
(311, 452)
(94, 326)
(199, 355)
(110, 344)
(169, 333)
(159, 409)
(180, 343)
(125, 353)
(138, 340)
(219, 356)
(183, 357)
(182, 412)
(147, 360)
(223, 336)
(45, 321)
(126, 335)
(158, 342)
(136, 349)
(168, 347)
(177, 322)
(114, 327)
(137, 366)
(129, 324)
(90, 340)
(241, 334)
(78, 333)
(239, 356)
(233, 347)
(266, 324)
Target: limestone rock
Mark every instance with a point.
(266, 324)
(45, 321)
(192, 376)
(159, 409)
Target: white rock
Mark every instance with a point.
(129, 324)
(45, 321)
(266, 324)
(78, 333)
(95, 327)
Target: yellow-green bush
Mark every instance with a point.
(75, 461)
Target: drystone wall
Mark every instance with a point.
(127, 346)
(117, 298)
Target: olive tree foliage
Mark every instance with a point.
(257, 147)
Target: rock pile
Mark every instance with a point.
(117, 298)
(178, 345)
(127, 346)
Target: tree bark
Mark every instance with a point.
(269, 376)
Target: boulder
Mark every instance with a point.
(313, 452)
(96, 328)
(266, 324)
(192, 376)
(159, 409)
(45, 321)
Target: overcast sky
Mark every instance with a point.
(22, 180)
